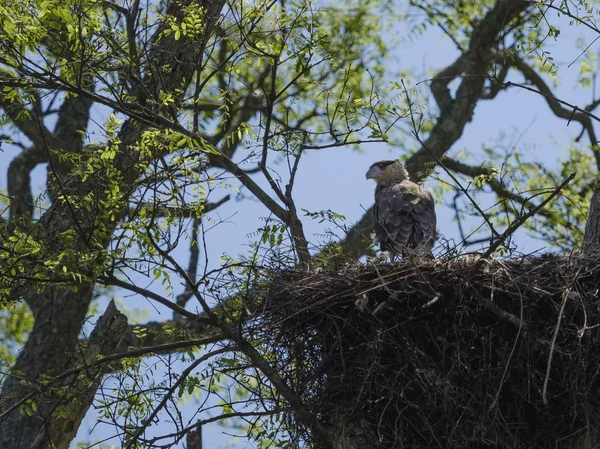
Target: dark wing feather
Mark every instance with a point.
(404, 217)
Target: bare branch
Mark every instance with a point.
(474, 65)
(111, 280)
(583, 116)
(498, 187)
(341, 144)
(184, 374)
(184, 212)
(523, 218)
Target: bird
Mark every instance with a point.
(405, 220)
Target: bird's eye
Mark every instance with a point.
(385, 164)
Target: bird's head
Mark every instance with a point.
(386, 172)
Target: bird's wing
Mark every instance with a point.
(404, 216)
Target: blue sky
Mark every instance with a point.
(335, 178)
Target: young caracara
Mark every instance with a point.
(405, 219)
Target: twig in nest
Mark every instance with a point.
(566, 295)
(361, 302)
(499, 312)
(431, 302)
(380, 307)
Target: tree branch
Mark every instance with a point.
(19, 183)
(497, 187)
(60, 308)
(59, 429)
(184, 212)
(192, 270)
(111, 280)
(575, 113)
(523, 218)
(24, 119)
(474, 65)
(454, 113)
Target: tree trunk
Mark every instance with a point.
(591, 238)
(58, 431)
(59, 314)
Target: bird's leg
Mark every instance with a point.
(388, 256)
(382, 257)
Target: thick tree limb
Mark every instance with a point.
(73, 116)
(26, 120)
(474, 66)
(58, 431)
(591, 238)
(456, 112)
(18, 182)
(556, 105)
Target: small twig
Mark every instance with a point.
(553, 98)
(184, 375)
(111, 280)
(554, 336)
(380, 307)
(342, 143)
(522, 327)
(192, 272)
(431, 302)
(522, 219)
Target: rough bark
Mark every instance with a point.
(194, 439)
(58, 431)
(591, 238)
(59, 313)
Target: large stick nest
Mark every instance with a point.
(454, 353)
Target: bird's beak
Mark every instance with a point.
(373, 172)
